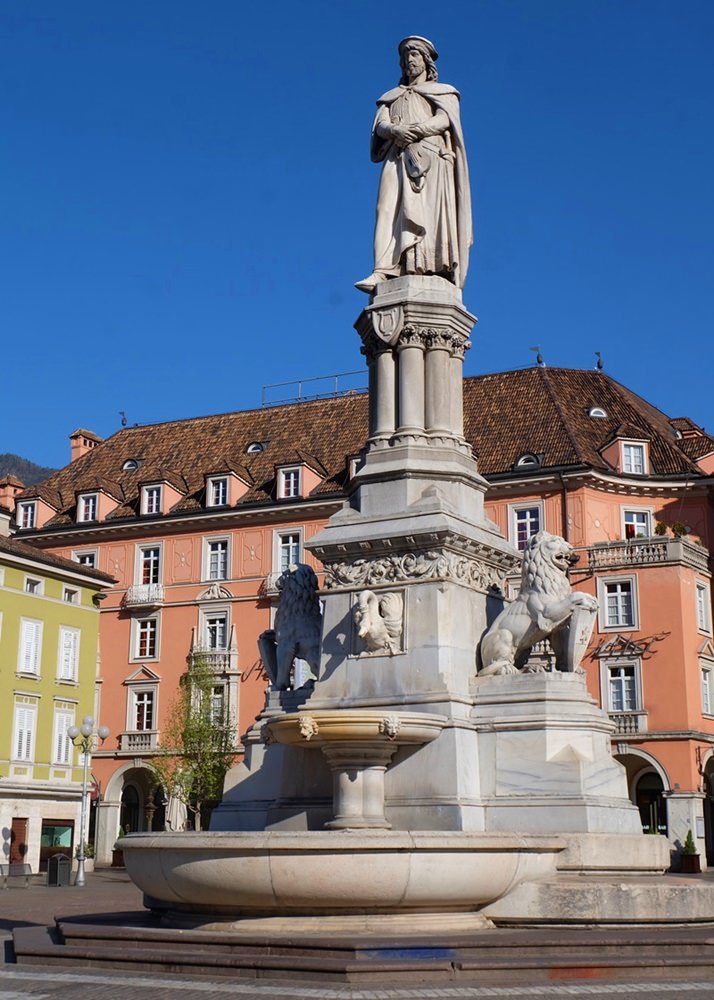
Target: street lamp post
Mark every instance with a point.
(85, 737)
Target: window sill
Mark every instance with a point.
(66, 682)
(28, 676)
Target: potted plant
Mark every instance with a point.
(88, 856)
(660, 528)
(690, 863)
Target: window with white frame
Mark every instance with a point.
(622, 688)
(618, 600)
(707, 689)
(146, 638)
(216, 558)
(143, 703)
(88, 558)
(215, 630)
(27, 514)
(24, 728)
(289, 545)
(526, 520)
(149, 564)
(70, 595)
(68, 658)
(633, 459)
(217, 491)
(151, 499)
(218, 704)
(33, 585)
(28, 661)
(704, 610)
(638, 523)
(87, 507)
(289, 483)
(61, 743)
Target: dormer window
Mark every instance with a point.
(27, 514)
(633, 459)
(151, 499)
(289, 483)
(255, 448)
(528, 461)
(131, 465)
(87, 506)
(597, 412)
(217, 491)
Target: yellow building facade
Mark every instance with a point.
(49, 623)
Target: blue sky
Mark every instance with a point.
(188, 196)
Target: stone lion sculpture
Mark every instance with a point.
(546, 607)
(298, 626)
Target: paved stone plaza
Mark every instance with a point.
(110, 891)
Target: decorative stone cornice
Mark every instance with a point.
(478, 570)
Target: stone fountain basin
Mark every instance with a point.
(354, 726)
(334, 872)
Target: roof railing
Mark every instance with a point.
(317, 387)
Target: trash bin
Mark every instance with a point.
(58, 870)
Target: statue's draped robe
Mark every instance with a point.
(424, 202)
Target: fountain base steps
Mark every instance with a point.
(434, 954)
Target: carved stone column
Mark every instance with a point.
(358, 785)
(411, 396)
(381, 363)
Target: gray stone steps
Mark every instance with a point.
(486, 956)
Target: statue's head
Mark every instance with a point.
(416, 46)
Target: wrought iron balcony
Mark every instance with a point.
(656, 551)
(140, 742)
(144, 595)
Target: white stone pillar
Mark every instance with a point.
(385, 415)
(438, 415)
(456, 390)
(411, 385)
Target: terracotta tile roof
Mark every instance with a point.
(540, 410)
(10, 480)
(14, 546)
(697, 447)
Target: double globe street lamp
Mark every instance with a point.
(85, 737)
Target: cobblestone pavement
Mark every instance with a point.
(31, 984)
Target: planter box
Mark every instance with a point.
(690, 864)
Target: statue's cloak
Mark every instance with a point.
(443, 97)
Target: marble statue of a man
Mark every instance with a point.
(424, 202)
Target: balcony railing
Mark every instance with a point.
(270, 584)
(627, 723)
(140, 742)
(216, 660)
(144, 595)
(647, 552)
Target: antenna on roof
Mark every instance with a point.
(539, 356)
(599, 365)
(124, 421)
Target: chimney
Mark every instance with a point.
(10, 486)
(83, 441)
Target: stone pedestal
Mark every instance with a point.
(546, 766)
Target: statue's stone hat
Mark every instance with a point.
(418, 42)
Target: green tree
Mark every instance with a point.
(198, 743)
